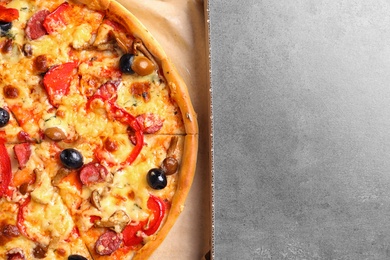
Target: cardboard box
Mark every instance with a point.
(181, 28)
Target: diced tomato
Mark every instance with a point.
(56, 19)
(8, 14)
(57, 81)
(22, 153)
(5, 171)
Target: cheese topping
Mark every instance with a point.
(100, 110)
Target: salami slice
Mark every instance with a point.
(92, 173)
(34, 28)
(22, 153)
(150, 123)
(108, 243)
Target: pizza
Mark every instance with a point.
(98, 136)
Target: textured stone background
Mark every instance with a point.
(301, 95)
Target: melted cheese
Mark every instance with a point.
(47, 217)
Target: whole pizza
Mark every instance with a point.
(98, 136)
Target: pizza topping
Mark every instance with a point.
(5, 27)
(71, 158)
(142, 65)
(117, 221)
(27, 50)
(76, 257)
(55, 133)
(22, 153)
(57, 81)
(169, 165)
(4, 117)
(141, 89)
(34, 28)
(125, 63)
(39, 251)
(133, 232)
(7, 46)
(95, 199)
(43, 191)
(10, 231)
(10, 92)
(129, 63)
(92, 173)
(110, 145)
(5, 170)
(61, 174)
(150, 123)
(15, 254)
(8, 14)
(56, 19)
(157, 206)
(156, 179)
(108, 243)
(40, 63)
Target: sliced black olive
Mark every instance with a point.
(71, 158)
(76, 257)
(125, 63)
(5, 27)
(4, 117)
(156, 179)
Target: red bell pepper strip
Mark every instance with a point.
(132, 234)
(8, 14)
(57, 81)
(157, 206)
(20, 217)
(56, 19)
(5, 171)
(124, 117)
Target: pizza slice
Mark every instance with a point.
(34, 222)
(129, 204)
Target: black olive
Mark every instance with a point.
(125, 63)
(4, 117)
(5, 27)
(156, 179)
(76, 257)
(71, 158)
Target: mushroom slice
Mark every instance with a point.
(117, 221)
(95, 199)
(61, 173)
(138, 45)
(172, 146)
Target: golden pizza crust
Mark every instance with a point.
(179, 93)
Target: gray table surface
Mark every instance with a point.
(301, 106)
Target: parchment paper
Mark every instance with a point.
(179, 26)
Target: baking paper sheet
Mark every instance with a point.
(179, 26)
